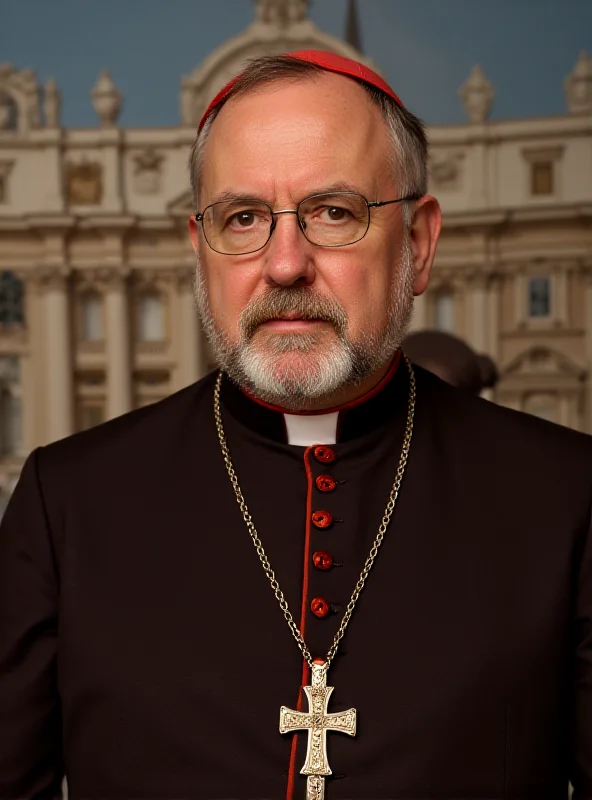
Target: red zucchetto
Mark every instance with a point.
(328, 61)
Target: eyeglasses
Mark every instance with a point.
(242, 226)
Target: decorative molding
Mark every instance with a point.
(157, 280)
(45, 278)
(152, 348)
(550, 153)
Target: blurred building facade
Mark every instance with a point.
(96, 269)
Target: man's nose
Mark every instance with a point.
(289, 256)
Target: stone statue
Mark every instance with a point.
(578, 86)
(106, 100)
(52, 104)
(477, 95)
(187, 99)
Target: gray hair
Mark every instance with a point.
(410, 145)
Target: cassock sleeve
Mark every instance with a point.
(31, 763)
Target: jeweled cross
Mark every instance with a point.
(317, 722)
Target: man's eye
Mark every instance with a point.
(244, 219)
(334, 214)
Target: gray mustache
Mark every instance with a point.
(300, 300)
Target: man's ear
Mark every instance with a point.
(424, 235)
(194, 233)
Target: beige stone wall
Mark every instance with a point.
(104, 210)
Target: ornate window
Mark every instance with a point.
(151, 326)
(542, 178)
(91, 317)
(444, 315)
(542, 164)
(11, 299)
(539, 298)
(10, 406)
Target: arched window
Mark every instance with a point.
(10, 406)
(11, 299)
(151, 318)
(92, 328)
(444, 312)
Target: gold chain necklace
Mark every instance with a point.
(318, 721)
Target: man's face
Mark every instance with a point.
(295, 322)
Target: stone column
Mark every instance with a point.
(192, 359)
(560, 307)
(478, 315)
(493, 303)
(58, 359)
(119, 378)
(520, 297)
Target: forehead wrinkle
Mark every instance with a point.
(263, 142)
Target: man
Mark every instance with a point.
(319, 515)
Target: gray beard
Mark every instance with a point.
(299, 371)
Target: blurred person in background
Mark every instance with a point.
(451, 359)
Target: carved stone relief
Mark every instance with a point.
(281, 12)
(84, 183)
(148, 171)
(445, 169)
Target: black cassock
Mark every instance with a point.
(143, 653)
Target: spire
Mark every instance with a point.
(352, 27)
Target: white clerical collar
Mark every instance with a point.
(308, 429)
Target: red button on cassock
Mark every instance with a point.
(322, 559)
(324, 454)
(319, 607)
(325, 483)
(321, 519)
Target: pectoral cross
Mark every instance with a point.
(317, 722)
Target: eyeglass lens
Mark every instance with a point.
(236, 227)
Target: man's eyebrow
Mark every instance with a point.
(229, 195)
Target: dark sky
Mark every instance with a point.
(425, 48)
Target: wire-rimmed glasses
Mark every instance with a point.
(242, 226)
